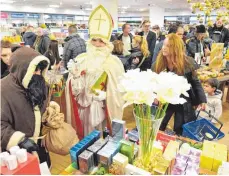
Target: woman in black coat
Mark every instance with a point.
(53, 53)
(172, 58)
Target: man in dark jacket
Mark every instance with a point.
(197, 46)
(29, 37)
(150, 37)
(74, 45)
(23, 95)
(126, 37)
(219, 33)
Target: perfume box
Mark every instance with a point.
(127, 149)
(94, 149)
(104, 157)
(120, 159)
(133, 136)
(86, 161)
(118, 129)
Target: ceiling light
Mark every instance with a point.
(88, 9)
(125, 7)
(7, 2)
(123, 12)
(54, 6)
(61, 3)
(50, 10)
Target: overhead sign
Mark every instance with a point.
(17, 15)
(4, 15)
(58, 17)
(70, 17)
(33, 15)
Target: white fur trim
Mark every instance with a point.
(36, 133)
(31, 69)
(15, 139)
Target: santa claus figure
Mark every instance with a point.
(94, 76)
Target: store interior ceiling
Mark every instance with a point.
(125, 6)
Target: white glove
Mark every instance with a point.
(101, 95)
(71, 66)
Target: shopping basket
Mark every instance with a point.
(202, 129)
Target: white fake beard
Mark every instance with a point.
(99, 51)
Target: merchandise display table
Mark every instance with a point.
(208, 163)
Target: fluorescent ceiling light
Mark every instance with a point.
(51, 10)
(125, 7)
(7, 2)
(88, 9)
(54, 6)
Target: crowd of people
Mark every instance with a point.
(23, 86)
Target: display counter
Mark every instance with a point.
(190, 157)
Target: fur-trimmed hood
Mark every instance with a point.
(23, 64)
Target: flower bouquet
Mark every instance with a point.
(142, 89)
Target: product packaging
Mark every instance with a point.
(86, 161)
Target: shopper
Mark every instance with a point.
(126, 37)
(74, 45)
(23, 95)
(191, 32)
(172, 58)
(219, 33)
(156, 30)
(118, 51)
(214, 102)
(140, 55)
(22, 31)
(29, 37)
(42, 41)
(53, 54)
(150, 37)
(197, 46)
(173, 29)
(5, 57)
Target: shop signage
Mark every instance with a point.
(58, 17)
(33, 15)
(70, 17)
(4, 15)
(17, 15)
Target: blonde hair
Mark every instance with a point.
(143, 44)
(178, 57)
(118, 47)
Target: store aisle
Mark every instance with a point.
(59, 163)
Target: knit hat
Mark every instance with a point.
(200, 29)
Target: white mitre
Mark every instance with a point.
(100, 24)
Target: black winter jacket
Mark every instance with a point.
(222, 32)
(196, 92)
(193, 46)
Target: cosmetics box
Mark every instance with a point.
(118, 129)
(86, 161)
